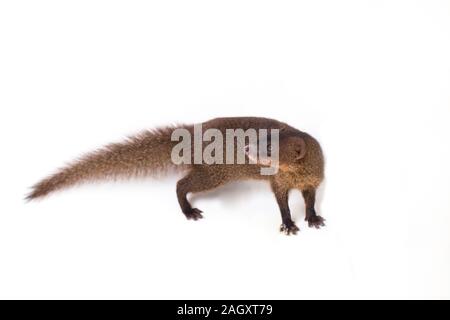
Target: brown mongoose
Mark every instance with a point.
(300, 166)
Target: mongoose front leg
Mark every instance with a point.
(282, 195)
(313, 219)
(196, 180)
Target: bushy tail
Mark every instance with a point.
(144, 154)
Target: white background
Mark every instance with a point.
(369, 79)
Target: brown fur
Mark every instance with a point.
(301, 167)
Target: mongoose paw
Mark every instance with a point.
(316, 222)
(289, 229)
(194, 214)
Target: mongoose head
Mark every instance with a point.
(288, 152)
(297, 154)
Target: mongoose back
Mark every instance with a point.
(300, 166)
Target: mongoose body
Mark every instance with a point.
(300, 166)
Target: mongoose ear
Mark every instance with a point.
(300, 148)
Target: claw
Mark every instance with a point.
(316, 222)
(194, 214)
(289, 229)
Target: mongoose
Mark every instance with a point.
(300, 166)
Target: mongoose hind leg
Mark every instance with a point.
(314, 221)
(282, 195)
(196, 180)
